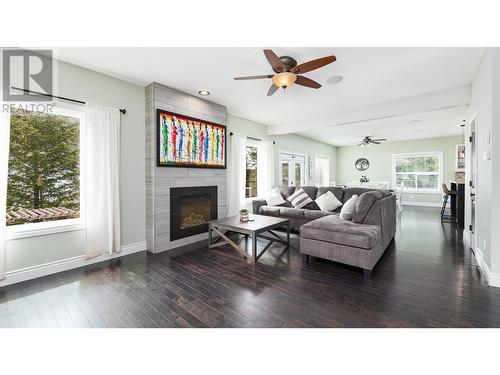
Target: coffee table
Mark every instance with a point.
(255, 228)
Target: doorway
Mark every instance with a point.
(292, 169)
(472, 184)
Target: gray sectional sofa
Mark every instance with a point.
(358, 242)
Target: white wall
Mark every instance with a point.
(481, 108)
(82, 84)
(484, 107)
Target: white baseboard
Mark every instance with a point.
(492, 278)
(66, 264)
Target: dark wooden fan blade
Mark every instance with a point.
(314, 64)
(272, 90)
(308, 82)
(377, 143)
(381, 139)
(254, 77)
(274, 60)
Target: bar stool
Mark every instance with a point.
(446, 194)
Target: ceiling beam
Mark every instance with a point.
(443, 99)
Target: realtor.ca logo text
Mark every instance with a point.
(27, 80)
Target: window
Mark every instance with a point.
(44, 167)
(321, 170)
(418, 172)
(251, 172)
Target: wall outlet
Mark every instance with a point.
(484, 245)
(487, 138)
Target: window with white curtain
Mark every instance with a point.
(420, 172)
(251, 170)
(321, 170)
(43, 184)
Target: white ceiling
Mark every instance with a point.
(389, 76)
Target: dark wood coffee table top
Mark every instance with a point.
(259, 223)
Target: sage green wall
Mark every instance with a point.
(89, 86)
(289, 142)
(482, 108)
(380, 158)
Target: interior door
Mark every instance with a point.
(292, 169)
(472, 184)
(299, 167)
(285, 172)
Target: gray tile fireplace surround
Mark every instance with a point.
(159, 180)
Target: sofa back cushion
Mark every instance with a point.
(336, 190)
(364, 204)
(312, 192)
(349, 192)
(286, 191)
(299, 199)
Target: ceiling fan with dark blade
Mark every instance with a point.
(288, 71)
(369, 141)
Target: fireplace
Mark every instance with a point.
(190, 210)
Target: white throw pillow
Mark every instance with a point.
(348, 208)
(274, 198)
(299, 199)
(328, 202)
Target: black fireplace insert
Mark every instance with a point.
(191, 208)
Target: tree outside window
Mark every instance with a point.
(417, 172)
(251, 172)
(44, 168)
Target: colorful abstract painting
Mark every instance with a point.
(188, 142)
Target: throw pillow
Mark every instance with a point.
(348, 208)
(364, 204)
(299, 199)
(274, 198)
(328, 202)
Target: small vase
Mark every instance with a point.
(244, 217)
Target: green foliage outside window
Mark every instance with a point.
(44, 155)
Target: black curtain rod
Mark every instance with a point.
(123, 111)
(255, 139)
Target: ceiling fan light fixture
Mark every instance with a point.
(284, 79)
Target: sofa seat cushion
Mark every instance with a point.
(316, 214)
(293, 213)
(270, 210)
(334, 230)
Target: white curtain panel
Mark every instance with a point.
(102, 180)
(236, 174)
(4, 171)
(265, 168)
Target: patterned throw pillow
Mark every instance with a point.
(299, 199)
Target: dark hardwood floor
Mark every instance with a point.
(425, 279)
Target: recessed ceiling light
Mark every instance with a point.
(204, 92)
(334, 79)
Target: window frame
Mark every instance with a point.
(257, 145)
(18, 231)
(416, 190)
